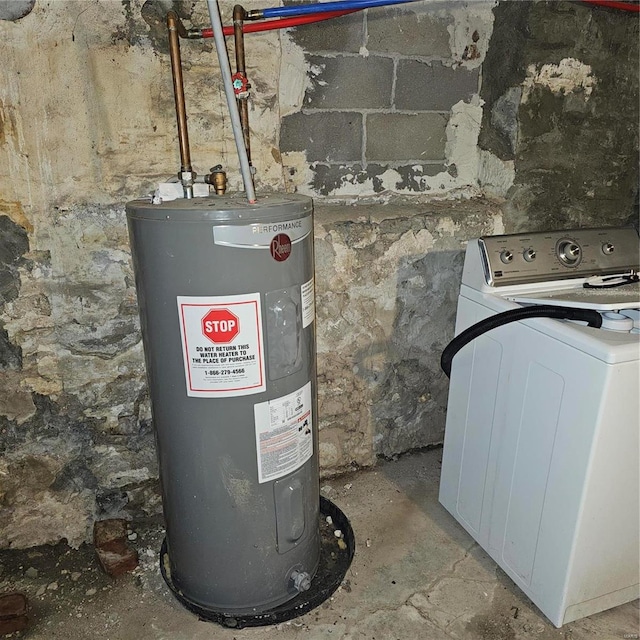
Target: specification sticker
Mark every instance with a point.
(307, 295)
(222, 345)
(284, 434)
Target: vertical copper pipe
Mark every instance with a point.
(238, 36)
(174, 25)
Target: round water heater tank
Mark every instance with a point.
(226, 295)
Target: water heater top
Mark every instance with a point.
(231, 207)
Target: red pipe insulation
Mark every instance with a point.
(634, 7)
(279, 23)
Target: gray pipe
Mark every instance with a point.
(223, 60)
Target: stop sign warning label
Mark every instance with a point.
(222, 345)
(220, 325)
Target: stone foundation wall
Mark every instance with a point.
(563, 107)
(76, 437)
(87, 123)
(387, 279)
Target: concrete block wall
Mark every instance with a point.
(381, 85)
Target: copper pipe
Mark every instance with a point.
(183, 32)
(175, 27)
(238, 34)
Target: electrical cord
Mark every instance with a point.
(591, 317)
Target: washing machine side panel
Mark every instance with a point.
(542, 465)
(474, 413)
(605, 566)
(535, 402)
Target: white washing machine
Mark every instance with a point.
(541, 451)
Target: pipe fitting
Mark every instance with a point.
(239, 14)
(174, 23)
(187, 178)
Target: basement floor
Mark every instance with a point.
(416, 575)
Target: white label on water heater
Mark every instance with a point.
(284, 434)
(222, 345)
(307, 296)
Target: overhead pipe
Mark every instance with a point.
(270, 25)
(302, 19)
(186, 175)
(236, 125)
(319, 7)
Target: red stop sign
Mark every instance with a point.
(220, 325)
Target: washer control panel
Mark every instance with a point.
(558, 255)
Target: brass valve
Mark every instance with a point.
(218, 179)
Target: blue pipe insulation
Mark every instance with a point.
(323, 7)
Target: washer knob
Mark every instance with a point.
(506, 256)
(608, 248)
(529, 255)
(569, 253)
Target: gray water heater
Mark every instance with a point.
(226, 295)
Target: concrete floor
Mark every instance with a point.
(416, 575)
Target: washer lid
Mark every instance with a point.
(626, 296)
(611, 347)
